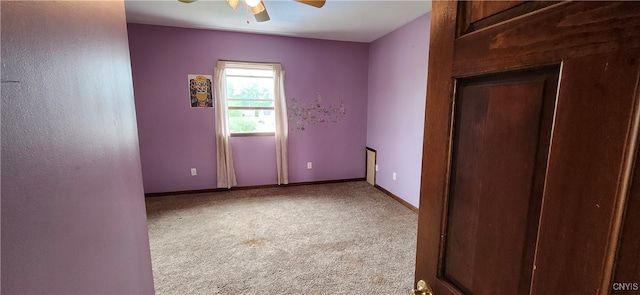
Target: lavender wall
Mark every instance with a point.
(175, 138)
(396, 105)
(73, 215)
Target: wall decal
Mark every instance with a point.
(302, 116)
(200, 92)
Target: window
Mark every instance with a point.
(250, 100)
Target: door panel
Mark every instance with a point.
(501, 135)
(478, 14)
(482, 9)
(475, 217)
(595, 107)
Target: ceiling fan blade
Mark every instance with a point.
(187, 1)
(316, 3)
(232, 3)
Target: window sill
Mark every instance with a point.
(247, 134)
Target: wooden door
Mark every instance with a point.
(530, 142)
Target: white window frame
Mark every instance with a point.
(248, 66)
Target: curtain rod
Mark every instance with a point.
(251, 62)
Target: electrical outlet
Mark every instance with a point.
(394, 176)
(376, 167)
(194, 172)
(309, 165)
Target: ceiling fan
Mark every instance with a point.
(258, 8)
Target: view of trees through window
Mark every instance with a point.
(250, 99)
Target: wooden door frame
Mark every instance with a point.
(444, 47)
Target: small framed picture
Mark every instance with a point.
(200, 92)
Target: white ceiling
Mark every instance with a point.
(343, 20)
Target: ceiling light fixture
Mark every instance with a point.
(232, 3)
(252, 3)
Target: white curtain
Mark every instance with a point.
(224, 157)
(282, 127)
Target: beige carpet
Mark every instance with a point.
(341, 238)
